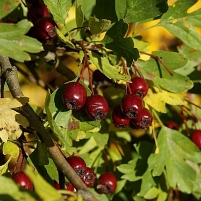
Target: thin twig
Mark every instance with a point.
(159, 60)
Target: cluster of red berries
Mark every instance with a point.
(44, 25)
(107, 182)
(75, 97)
(131, 110)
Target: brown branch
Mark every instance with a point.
(11, 76)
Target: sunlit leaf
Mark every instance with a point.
(174, 148)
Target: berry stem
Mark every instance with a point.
(127, 73)
(18, 158)
(159, 60)
(136, 70)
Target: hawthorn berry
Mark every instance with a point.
(37, 11)
(22, 180)
(96, 107)
(74, 95)
(43, 29)
(196, 137)
(171, 124)
(78, 164)
(89, 177)
(107, 183)
(139, 87)
(144, 119)
(118, 118)
(131, 106)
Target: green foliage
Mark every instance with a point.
(106, 31)
(13, 39)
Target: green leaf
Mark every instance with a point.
(7, 6)
(105, 9)
(59, 9)
(122, 47)
(98, 26)
(181, 24)
(67, 125)
(44, 190)
(13, 42)
(10, 148)
(112, 72)
(136, 168)
(79, 15)
(173, 149)
(136, 11)
(87, 7)
(155, 71)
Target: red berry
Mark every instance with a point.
(78, 164)
(89, 177)
(144, 119)
(107, 183)
(37, 11)
(172, 125)
(43, 29)
(56, 185)
(196, 137)
(118, 118)
(74, 95)
(68, 186)
(139, 86)
(23, 180)
(131, 106)
(96, 107)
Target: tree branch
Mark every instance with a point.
(11, 76)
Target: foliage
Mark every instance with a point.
(110, 32)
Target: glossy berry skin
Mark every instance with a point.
(139, 87)
(96, 107)
(118, 118)
(22, 180)
(196, 137)
(43, 29)
(171, 124)
(89, 177)
(107, 183)
(131, 106)
(144, 119)
(78, 164)
(74, 95)
(37, 11)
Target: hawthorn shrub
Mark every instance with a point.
(120, 121)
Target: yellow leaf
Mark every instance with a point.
(10, 148)
(158, 99)
(155, 101)
(170, 98)
(10, 119)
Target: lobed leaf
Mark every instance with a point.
(135, 11)
(59, 9)
(15, 44)
(155, 71)
(122, 47)
(182, 24)
(174, 148)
